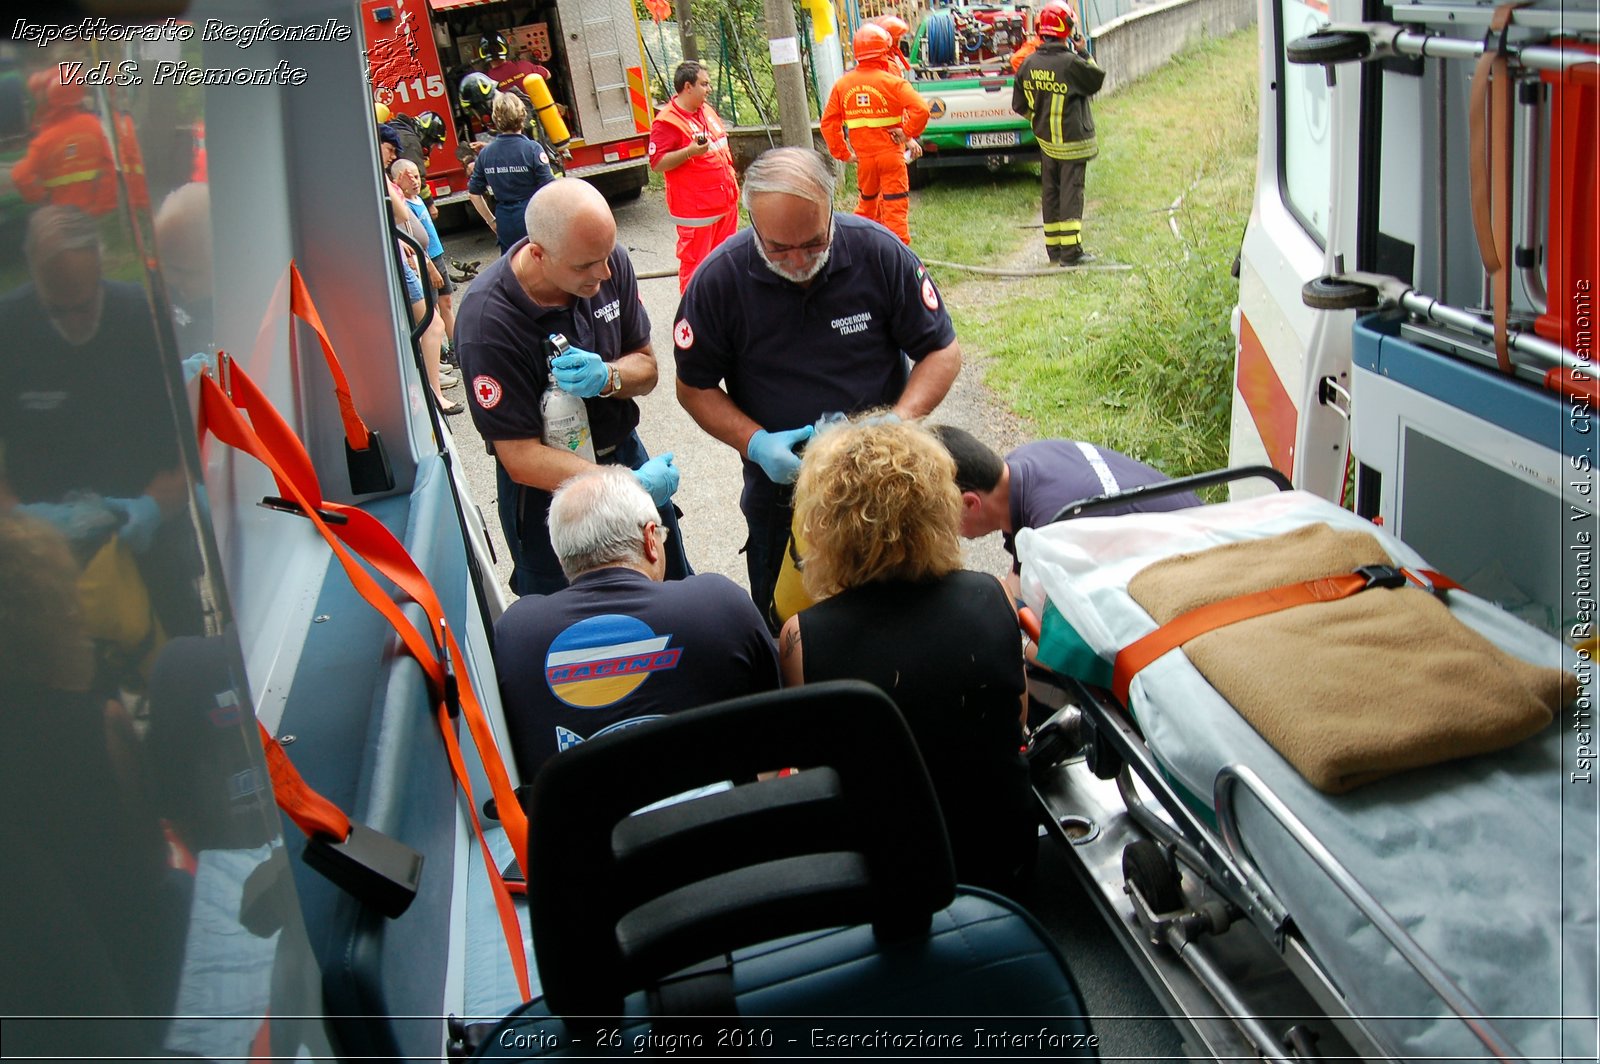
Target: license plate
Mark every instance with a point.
(993, 140)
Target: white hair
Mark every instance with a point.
(596, 519)
(792, 171)
(399, 166)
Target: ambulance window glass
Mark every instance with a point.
(1304, 130)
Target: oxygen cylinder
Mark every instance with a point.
(566, 419)
(544, 105)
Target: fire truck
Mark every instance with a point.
(419, 50)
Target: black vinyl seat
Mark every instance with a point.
(814, 907)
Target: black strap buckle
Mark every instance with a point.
(369, 467)
(1381, 576)
(369, 866)
(289, 506)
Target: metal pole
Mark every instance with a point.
(788, 80)
(686, 34)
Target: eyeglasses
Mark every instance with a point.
(666, 533)
(815, 247)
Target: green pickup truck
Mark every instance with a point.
(960, 59)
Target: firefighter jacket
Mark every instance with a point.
(702, 188)
(69, 164)
(870, 102)
(1052, 91)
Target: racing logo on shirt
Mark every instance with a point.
(930, 296)
(566, 738)
(487, 391)
(683, 335)
(601, 660)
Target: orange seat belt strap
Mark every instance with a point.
(1489, 146)
(301, 306)
(269, 439)
(313, 813)
(1202, 619)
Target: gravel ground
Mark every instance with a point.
(713, 528)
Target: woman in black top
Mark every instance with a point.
(878, 506)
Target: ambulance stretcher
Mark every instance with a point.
(1447, 911)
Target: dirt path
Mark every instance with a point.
(709, 497)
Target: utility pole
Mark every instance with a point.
(686, 34)
(788, 76)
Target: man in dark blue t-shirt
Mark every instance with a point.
(570, 277)
(1031, 485)
(808, 312)
(620, 646)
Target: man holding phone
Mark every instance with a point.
(689, 147)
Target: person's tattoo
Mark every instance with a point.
(791, 643)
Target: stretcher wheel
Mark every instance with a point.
(1146, 868)
(1329, 46)
(1330, 293)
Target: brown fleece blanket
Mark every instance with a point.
(1357, 689)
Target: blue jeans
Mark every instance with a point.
(524, 513)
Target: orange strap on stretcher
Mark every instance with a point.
(1489, 146)
(1202, 619)
(269, 438)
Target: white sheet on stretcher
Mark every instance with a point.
(1488, 862)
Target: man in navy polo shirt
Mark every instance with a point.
(620, 647)
(808, 312)
(568, 276)
(1031, 484)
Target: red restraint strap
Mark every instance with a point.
(269, 439)
(301, 306)
(1203, 619)
(314, 814)
(1489, 145)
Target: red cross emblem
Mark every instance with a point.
(683, 335)
(487, 391)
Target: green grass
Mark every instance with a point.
(1138, 360)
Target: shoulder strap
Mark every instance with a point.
(1202, 619)
(267, 437)
(1489, 140)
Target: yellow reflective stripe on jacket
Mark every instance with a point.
(1070, 149)
(872, 123)
(77, 178)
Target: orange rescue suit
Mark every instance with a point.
(69, 164)
(873, 102)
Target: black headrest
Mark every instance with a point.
(618, 900)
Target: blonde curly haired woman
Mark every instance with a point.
(877, 503)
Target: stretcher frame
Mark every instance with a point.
(1231, 966)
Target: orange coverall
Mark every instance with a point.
(69, 164)
(872, 102)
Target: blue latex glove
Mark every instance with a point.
(659, 477)
(775, 453)
(581, 373)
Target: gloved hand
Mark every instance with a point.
(775, 453)
(581, 373)
(659, 477)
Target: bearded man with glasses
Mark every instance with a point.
(806, 313)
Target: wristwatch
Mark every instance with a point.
(616, 383)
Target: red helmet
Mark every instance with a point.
(871, 42)
(896, 26)
(1054, 21)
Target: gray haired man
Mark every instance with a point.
(620, 644)
(808, 312)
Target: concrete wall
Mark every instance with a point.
(1133, 45)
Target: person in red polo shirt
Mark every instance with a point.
(690, 148)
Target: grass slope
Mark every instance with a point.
(1139, 360)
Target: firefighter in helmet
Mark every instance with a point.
(505, 72)
(873, 118)
(1052, 91)
(897, 28)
